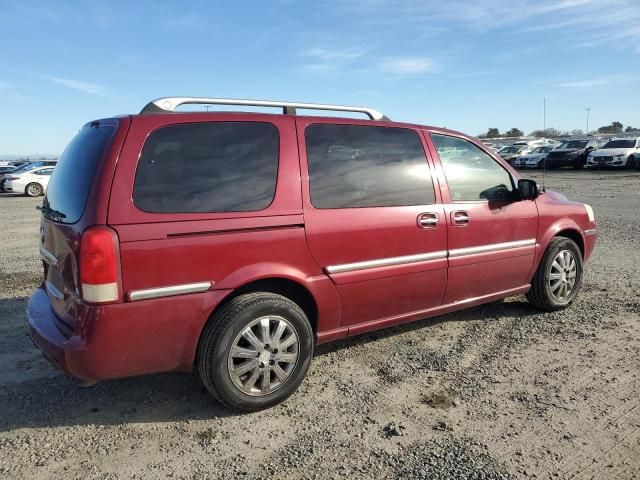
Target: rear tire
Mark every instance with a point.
(265, 338)
(33, 190)
(558, 279)
(631, 162)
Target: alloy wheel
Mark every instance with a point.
(263, 355)
(562, 276)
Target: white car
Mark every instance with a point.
(533, 159)
(617, 152)
(32, 183)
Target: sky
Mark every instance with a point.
(464, 64)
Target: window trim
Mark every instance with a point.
(360, 123)
(444, 176)
(217, 212)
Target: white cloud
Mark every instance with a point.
(407, 65)
(574, 21)
(85, 87)
(328, 54)
(593, 82)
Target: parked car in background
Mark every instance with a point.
(533, 159)
(617, 152)
(25, 167)
(511, 152)
(571, 153)
(31, 183)
(235, 242)
(13, 163)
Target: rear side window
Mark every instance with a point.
(471, 173)
(208, 167)
(365, 166)
(71, 181)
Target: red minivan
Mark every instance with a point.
(235, 242)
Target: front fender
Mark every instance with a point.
(548, 233)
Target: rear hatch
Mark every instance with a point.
(67, 211)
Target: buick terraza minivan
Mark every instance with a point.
(232, 243)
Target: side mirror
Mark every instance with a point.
(527, 189)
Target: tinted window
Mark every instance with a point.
(208, 167)
(471, 173)
(362, 166)
(44, 171)
(71, 181)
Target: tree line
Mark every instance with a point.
(614, 127)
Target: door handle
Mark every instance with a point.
(460, 217)
(428, 220)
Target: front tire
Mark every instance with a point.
(631, 162)
(33, 190)
(255, 351)
(558, 279)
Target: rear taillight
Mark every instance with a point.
(99, 265)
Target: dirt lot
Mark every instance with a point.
(499, 391)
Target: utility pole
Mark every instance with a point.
(544, 115)
(588, 111)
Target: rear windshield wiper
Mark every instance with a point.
(55, 214)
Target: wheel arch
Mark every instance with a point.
(575, 235)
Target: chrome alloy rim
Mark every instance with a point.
(562, 277)
(34, 190)
(263, 355)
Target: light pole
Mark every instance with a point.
(588, 111)
(544, 115)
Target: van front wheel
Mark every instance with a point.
(558, 279)
(255, 351)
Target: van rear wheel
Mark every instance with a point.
(255, 351)
(558, 279)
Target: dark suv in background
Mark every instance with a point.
(572, 153)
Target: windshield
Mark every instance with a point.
(541, 150)
(629, 143)
(26, 167)
(71, 181)
(509, 150)
(573, 144)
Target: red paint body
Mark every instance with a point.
(288, 240)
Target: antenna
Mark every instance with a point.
(544, 130)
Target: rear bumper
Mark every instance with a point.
(126, 339)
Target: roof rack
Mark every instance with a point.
(169, 104)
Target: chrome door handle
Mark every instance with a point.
(460, 218)
(427, 220)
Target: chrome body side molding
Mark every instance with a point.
(386, 262)
(591, 231)
(423, 257)
(169, 291)
(48, 257)
(493, 247)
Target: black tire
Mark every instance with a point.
(540, 295)
(33, 190)
(631, 162)
(225, 326)
(579, 163)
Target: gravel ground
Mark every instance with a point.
(498, 391)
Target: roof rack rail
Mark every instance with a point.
(169, 104)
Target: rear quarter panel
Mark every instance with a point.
(229, 249)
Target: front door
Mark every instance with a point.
(492, 235)
(373, 219)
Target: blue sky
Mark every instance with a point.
(466, 65)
